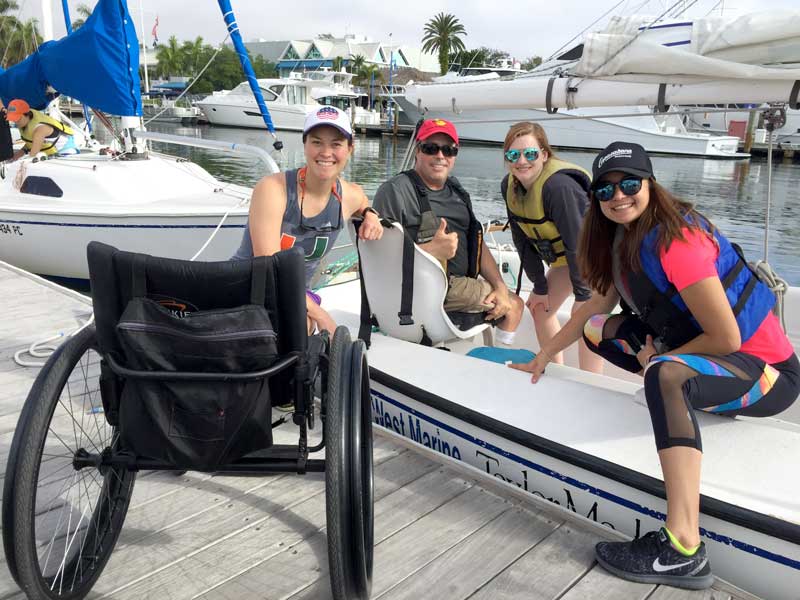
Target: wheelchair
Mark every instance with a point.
(180, 373)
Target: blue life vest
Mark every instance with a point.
(663, 309)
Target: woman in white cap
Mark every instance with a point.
(697, 324)
(306, 208)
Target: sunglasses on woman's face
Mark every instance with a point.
(530, 154)
(604, 191)
(432, 149)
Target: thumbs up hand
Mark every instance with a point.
(443, 246)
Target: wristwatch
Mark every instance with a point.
(372, 210)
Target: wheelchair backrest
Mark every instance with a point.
(381, 264)
(182, 285)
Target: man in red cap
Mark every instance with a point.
(436, 211)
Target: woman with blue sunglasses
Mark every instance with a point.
(546, 198)
(696, 323)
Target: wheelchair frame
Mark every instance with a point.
(70, 563)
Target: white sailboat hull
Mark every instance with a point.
(585, 443)
(158, 206)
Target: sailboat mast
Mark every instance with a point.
(47, 20)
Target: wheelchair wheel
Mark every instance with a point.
(60, 523)
(348, 471)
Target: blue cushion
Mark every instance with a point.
(502, 355)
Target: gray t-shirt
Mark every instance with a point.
(313, 236)
(396, 200)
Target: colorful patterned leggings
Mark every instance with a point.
(734, 384)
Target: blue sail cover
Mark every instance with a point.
(98, 65)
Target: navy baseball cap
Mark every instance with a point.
(624, 157)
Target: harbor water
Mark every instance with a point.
(732, 193)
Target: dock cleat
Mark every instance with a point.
(652, 559)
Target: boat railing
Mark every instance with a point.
(180, 140)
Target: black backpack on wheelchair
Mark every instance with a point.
(181, 373)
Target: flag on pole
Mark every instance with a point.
(154, 33)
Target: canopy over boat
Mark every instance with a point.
(636, 61)
(98, 65)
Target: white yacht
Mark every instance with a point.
(288, 100)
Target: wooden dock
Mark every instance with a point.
(441, 532)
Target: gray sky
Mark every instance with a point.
(521, 27)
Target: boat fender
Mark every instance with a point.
(661, 105)
(549, 97)
(794, 103)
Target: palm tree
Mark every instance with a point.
(336, 63)
(8, 25)
(22, 41)
(442, 35)
(365, 73)
(357, 62)
(170, 58)
(85, 12)
(193, 55)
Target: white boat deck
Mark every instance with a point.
(439, 533)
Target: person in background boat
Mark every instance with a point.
(307, 207)
(546, 199)
(447, 229)
(696, 323)
(40, 132)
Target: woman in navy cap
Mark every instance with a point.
(306, 208)
(696, 323)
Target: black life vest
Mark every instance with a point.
(429, 222)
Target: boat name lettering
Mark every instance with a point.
(418, 431)
(10, 229)
(492, 466)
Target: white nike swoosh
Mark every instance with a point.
(659, 568)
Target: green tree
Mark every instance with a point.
(22, 41)
(170, 58)
(84, 13)
(194, 55)
(441, 35)
(364, 75)
(338, 63)
(531, 62)
(263, 68)
(8, 25)
(357, 62)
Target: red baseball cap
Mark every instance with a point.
(16, 109)
(432, 126)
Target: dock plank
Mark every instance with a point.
(547, 570)
(509, 536)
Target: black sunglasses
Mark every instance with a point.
(432, 149)
(604, 190)
(319, 228)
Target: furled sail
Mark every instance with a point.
(753, 58)
(98, 65)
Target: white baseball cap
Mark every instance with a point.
(329, 115)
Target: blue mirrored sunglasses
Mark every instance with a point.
(530, 154)
(629, 186)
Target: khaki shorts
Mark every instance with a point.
(466, 294)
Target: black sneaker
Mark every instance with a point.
(652, 559)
